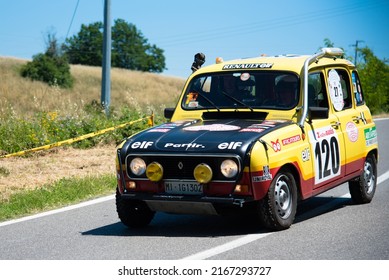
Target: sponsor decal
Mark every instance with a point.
(184, 145)
(291, 140)
(265, 177)
(272, 123)
(254, 128)
(352, 131)
(248, 66)
(276, 145)
(141, 145)
(306, 154)
(325, 132)
(244, 76)
(193, 104)
(370, 136)
(169, 125)
(159, 130)
(248, 129)
(229, 145)
(212, 127)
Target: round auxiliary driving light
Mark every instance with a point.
(138, 166)
(154, 171)
(202, 173)
(229, 168)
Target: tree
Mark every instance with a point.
(130, 49)
(374, 74)
(86, 47)
(51, 67)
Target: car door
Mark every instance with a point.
(325, 135)
(351, 122)
(364, 118)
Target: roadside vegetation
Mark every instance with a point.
(34, 113)
(64, 192)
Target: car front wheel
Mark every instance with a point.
(278, 208)
(133, 213)
(363, 188)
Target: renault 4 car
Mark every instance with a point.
(255, 137)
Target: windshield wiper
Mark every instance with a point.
(238, 101)
(209, 101)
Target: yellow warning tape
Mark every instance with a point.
(76, 139)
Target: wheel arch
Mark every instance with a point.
(373, 152)
(296, 174)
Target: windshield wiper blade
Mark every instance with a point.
(238, 101)
(209, 101)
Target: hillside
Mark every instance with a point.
(139, 90)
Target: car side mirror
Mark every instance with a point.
(317, 113)
(168, 113)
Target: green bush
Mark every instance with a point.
(54, 70)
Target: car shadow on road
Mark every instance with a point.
(173, 225)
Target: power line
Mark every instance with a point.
(71, 22)
(262, 25)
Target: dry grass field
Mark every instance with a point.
(143, 91)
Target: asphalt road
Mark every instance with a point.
(326, 227)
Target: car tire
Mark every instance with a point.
(133, 213)
(363, 188)
(277, 209)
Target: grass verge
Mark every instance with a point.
(62, 193)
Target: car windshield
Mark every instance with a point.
(252, 90)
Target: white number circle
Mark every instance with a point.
(335, 88)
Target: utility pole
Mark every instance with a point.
(106, 73)
(356, 50)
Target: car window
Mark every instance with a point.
(357, 89)
(317, 94)
(339, 89)
(263, 90)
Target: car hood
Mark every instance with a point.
(198, 136)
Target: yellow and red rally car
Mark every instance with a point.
(257, 135)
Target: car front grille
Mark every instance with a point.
(181, 167)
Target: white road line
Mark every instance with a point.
(246, 239)
(383, 177)
(56, 211)
(227, 246)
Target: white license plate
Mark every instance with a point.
(183, 188)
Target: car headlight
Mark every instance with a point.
(154, 171)
(203, 173)
(229, 168)
(138, 166)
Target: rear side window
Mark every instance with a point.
(357, 89)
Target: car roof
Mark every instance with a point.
(294, 63)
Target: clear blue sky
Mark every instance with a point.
(226, 28)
